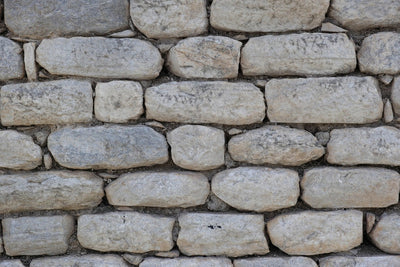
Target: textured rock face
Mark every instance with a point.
(370, 261)
(125, 231)
(276, 262)
(184, 262)
(197, 147)
(30, 61)
(330, 187)
(275, 145)
(46, 235)
(352, 146)
(324, 100)
(11, 263)
(205, 102)
(258, 189)
(298, 54)
(100, 57)
(12, 62)
(85, 260)
(159, 189)
(267, 16)
(169, 19)
(386, 233)
(311, 233)
(395, 97)
(232, 235)
(113, 147)
(54, 102)
(205, 57)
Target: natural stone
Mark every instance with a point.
(311, 233)
(385, 78)
(84, 260)
(329, 27)
(185, 261)
(235, 131)
(125, 231)
(324, 100)
(11, 263)
(168, 254)
(395, 97)
(276, 262)
(232, 235)
(370, 219)
(205, 57)
(197, 147)
(100, 57)
(216, 204)
(388, 112)
(205, 102)
(368, 261)
(258, 189)
(53, 102)
(108, 147)
(123, 34)
(29, 60)
(323, 138)
(40, 136)
(386, 233)
(275, 145)
(298, 54)
(12, 62)
(45, 235)
(48, 161)
(133, 259)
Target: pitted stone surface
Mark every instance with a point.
(275, 262)
(395, 97)
(90, 260)
(11, 263)
(187, 262)
(368, 261)
(386, 233)
(12, 61)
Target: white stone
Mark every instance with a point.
(48, 161)
(386, 233)
(123, 34)
(90, 260)
(11, 263)
(168, 254)
(395, 97)
(134, 259)
(385, 78)
(187, 262)
(366, 261)
(29, 60)
(388, 112)
(275, 262)
(12, 62)
(329, 27)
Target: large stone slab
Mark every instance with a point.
(330, 187)
(298, 54)
(258, 189)
(90, 260)
(185, 262)
(159, 189)
(108, 147)
(100, 57)
(386, 233)
(54, 102)
(365, 145)
(125, 231)
(205, 102)
(11, 263)
(232, 235)
(395, 97)
(275, 262)
(324, 100)
(275, 145)
(12, 61)
(368, 261)
(46, 235)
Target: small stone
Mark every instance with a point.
(168, 254)
(107, 175)
(386, 233)
(216, 204)
(155, 124)
(395, 97)
(240, 37)
(29, 60)
(323, 138)
(165, 47)
(368, 261)
(11, 263)
(276, 262)
(197, 147)
(234, 131)
(41, 136)
(260, 83)
(123, 34)
(12, 61)
(84, 260)
(388, 112)
(370, 221)
(185, 261)
(48, 161)
(385, 79)
(133, 259)
(329, 27)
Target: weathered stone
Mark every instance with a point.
(370, 219)
(84, 260)
(48, 18)
(197, 147)
(12, 62)
(275, 262)
(168, 254)
(169, 19)
(123, 34)
(267, 16)
(298, 54)
(53, 102)
(369, 261)
(330, 187)
(257, 188)
(324, 100)
(231, 235)
(159, 189)
(205, 57)
(360, 15)
(395, 97)
(108, 147)
(329, 27)
(18, 151)
(11, 263)
(311, 233)
(205, 102)
(185, 262)
(351, 146)
(118, 101)
(100, 57)
(134, 259)
(388, 112)
(125, 231)
(29, 60)
(46, 235)
(323, 138)
(235, 131)
(385, 78)
(216, 204)
(380, 53)
(275, 145)
(386, 233)
(47, 161)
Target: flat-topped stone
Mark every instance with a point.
(90, 260)
(12, 61)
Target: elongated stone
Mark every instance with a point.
(368, 261)
(100, 57)
(184, 262)
(298, 54)
(29, 61)
(324, 100)
(386, 233)
(395, 97)
(108, 147)
(276, 262)
(84, 260)
(11, 263)
(12, 61)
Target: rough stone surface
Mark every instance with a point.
(257, 188)
(311, 233)
(267, 16)
(29, 61)
(12, 62)
(168, 254)
(169, 19)
(125, 231)
(395, 97)
(48, 18)
(298, 54)
(330, 187)
(159, 189)
(47, 161)
(108, 147)
(329, 27)
(90, 260)
(324, 100)
(352, 146)
(205, 102)
(275, 145)
(100, 57)
(232, 235)
(45, 235)
(197, 147)
(388, 112)
(205, 57)
(11, 263)
(370, 220)
(118, 101)
(134, 259)
(276, 262)
(386, 233)
(53, 102)
(187, 262)
(369, 261)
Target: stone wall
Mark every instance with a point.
(200, 133)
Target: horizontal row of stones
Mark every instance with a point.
(234, 235)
